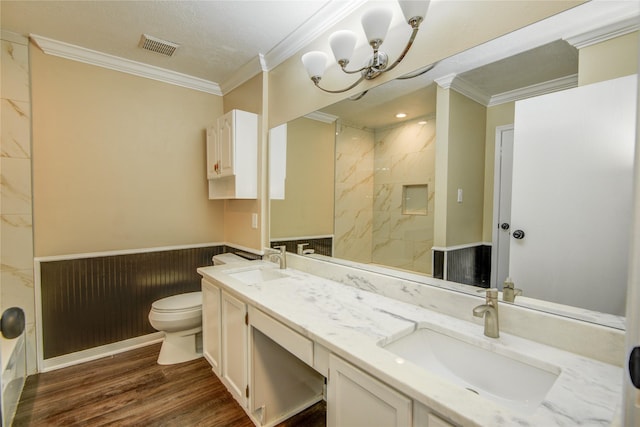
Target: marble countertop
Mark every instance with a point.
(353, 323)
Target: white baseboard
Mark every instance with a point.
(94, 353)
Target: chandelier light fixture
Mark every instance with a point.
(375, 24)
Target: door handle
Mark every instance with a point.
(505, 225)
(518, 234)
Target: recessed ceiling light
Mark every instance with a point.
(401, 115)
(422, 122)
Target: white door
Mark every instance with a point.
(502, 205)
(631, 391)
(571, 195)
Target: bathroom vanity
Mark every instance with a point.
(276, 336)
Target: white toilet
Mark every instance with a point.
(180, 318)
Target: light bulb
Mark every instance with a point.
(414, 8)
(342, 44)
(375, 23)
(315, 63)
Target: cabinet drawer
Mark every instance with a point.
(292, 341)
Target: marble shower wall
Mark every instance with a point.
(16, 233)
(371, 169)
(353, 238)
(404, 155)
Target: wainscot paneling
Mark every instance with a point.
(93, 301)
(470, 265)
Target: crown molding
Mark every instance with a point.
(453, 81)
(330, 14)
(243, 74)
(562, 83)
(13, 37)
(92, 57)
(467, 89)
(604, 33)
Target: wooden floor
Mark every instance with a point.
(131, 389)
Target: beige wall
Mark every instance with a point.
(238, 213)
(307, 209)
(118, 160)
(608, 60)
(460, 146)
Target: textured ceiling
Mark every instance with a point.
(216, 37)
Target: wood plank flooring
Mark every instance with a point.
(131, 389)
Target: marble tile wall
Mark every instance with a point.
(371, 169)
(354, 194)
(16, 233)
(404, 155)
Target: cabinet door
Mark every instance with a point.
(234, 347)
(211, 317)
(212, 152)
(357, 399)
(226, 144)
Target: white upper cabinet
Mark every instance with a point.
(232, 156)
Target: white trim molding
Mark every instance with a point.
(457, 247)
(604, 33)
(555, 85)
(328, 16)
(92, 57)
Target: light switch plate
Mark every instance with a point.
(254, 220)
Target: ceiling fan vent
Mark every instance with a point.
(157, 45)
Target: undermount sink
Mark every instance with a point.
(503, 379)
(257, 275)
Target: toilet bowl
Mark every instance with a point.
(180, 318)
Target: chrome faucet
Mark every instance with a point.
(279, 252)
(489, 310)
(509, 291)
(303, 251)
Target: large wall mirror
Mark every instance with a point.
(419, 196)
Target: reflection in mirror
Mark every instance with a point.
(353, 167)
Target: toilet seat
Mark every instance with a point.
(178, 303)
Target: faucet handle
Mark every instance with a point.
(490, 293)
(301, 248)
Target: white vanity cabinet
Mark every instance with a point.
(282, 379)
(356, 399)
(211, 321)
(234, 347)
(232, 156)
